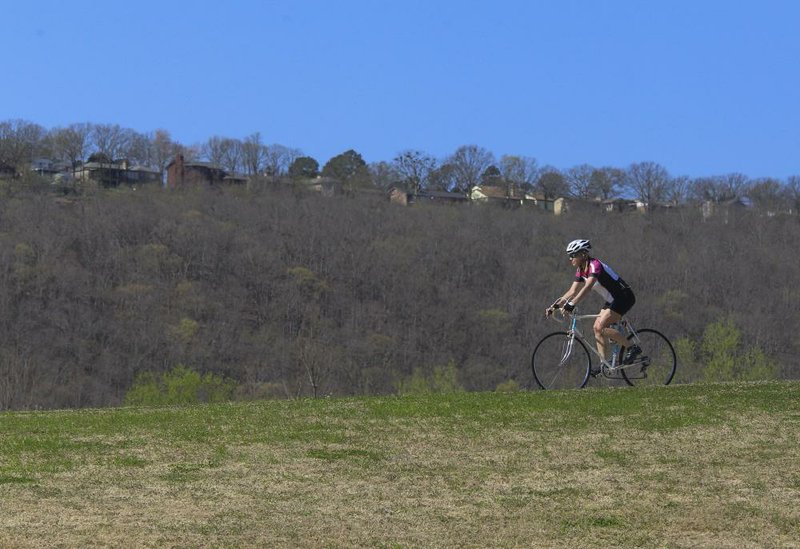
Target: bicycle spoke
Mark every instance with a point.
(559, 363)
(657, 363)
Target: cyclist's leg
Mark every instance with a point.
(620, 307)
(602, 330)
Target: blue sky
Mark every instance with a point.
(701, 87)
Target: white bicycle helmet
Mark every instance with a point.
(578, 245)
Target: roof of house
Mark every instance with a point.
(536, 196)
(491, 192)
(143, 169)
(116, 166)
(195, 164)
(738, 201)
(204, 165)
(443, 195)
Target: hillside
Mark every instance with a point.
(289, 293)
(688, 465)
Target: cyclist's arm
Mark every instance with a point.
(587, 287)
(573, 291)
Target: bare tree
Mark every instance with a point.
(212, 150)
(444, 178)
(607, 182)
(469, 162)
(767, 193)
(111, 140)
(140, 149)
(20, 141)
(253, 154)
(734, 184)
(384, 174)
(579, 179)
(678, 189)
(719, 188)
(649, 182)
(232, 156)
(793, 191)
(519, 172)
(705, 188)
(164, 149)
(223, 152)
(415, 168)
(551, 183)
(71, 144)
(278, 158)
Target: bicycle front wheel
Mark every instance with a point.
(561, 361)
(657, 363)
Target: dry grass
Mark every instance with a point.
(678, 467)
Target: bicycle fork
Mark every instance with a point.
(567, 349)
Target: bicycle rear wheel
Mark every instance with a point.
(657, 363)
(560, 361)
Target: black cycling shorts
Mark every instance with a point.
(623, 303)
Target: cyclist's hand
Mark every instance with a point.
(568, 307)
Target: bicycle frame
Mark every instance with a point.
(607, 369)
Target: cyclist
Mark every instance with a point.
(593, 274)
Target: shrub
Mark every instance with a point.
(181, 385)
(443, 379)
(727, 360)
(510, 386)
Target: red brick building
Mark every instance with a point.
(180, 173)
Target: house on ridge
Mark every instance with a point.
(399, 194)
(499, 195)
(107, 173)
(181, 173)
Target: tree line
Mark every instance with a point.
(21, 142)
(285, 293)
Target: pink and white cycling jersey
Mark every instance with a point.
(609, 284)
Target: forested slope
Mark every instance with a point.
(289, 293)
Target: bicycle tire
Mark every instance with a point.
(661, 361)
(551, 372)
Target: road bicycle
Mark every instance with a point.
(563, 360)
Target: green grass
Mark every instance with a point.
(691, 465)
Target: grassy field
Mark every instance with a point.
(683, 466)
